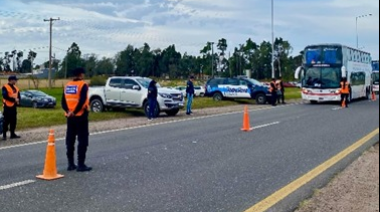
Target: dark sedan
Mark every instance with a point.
(37, 99)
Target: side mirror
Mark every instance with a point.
(136, 88)
(297, 73)
(344, 72)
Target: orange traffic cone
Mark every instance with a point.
(50, 170)
(374, 96)
(246, 122)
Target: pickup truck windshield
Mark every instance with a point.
(145, 83)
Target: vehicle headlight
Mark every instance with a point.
(165, 96)
(337, 91)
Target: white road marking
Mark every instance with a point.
(152, 125)
(337, 108)
(265, 125)
(14, 185)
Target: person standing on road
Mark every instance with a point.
(75, 103)
(190, 91)
(273, 92)
(152, 99)
(345, 89)
(281, 91)
(11, 99)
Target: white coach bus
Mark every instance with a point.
(325, 65)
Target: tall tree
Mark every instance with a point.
(125, 61)
(105, 66)
(90, 62)
(71, 61)
(222, 45)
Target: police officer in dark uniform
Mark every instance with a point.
(152, 99)
(11, 99)
(190, 92)
(273, 92)
(75, 103)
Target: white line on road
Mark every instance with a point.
(337, 108)
(152, 125)
(14, 185)
(265, 125)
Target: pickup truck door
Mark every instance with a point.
(131, 94)
(113, 91)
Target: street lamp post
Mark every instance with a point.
(273, 46)
(357, 31)
(212, 59)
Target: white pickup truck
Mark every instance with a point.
(132, 92)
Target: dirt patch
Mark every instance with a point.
(354, 190)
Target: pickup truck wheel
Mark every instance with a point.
(97, 106)
(261, 99)
(146, 109)
(172, 112)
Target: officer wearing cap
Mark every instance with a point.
(11, 99)
(75, 103)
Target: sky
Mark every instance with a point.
(106, 27)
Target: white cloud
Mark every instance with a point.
(106, 27)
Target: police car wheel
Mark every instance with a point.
(218, 97)
(261, 99)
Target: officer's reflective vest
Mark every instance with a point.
(12, 94)
(272, 87)
(345, 89)
(73, 91)
(278, 83)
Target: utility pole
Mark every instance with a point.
(51, 20)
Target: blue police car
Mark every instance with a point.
(237, 88)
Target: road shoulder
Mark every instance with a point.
(355, 189)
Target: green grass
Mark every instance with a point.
(34, 118)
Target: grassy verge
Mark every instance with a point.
(34, 118)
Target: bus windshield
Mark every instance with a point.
(375, 65)
(322, 77)
(375, 78)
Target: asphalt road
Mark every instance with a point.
(204, 165)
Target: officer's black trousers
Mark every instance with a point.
(10, 120)
(77, 127)
(344, 97)
(274, 98)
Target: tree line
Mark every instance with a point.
(147, 62)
